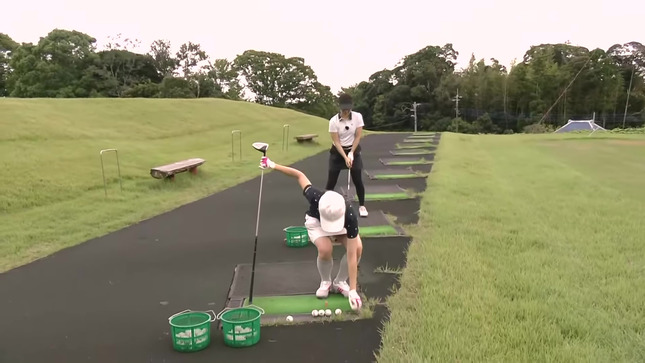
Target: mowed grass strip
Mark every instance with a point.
(528, 249)
(52, 187)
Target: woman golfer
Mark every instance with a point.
(329, 216)
(346, 128)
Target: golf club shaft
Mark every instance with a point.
(257, 222)
(255, 244)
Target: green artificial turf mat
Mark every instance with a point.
(299, 304)
(371, 231)
(385, 196)
(395, 176)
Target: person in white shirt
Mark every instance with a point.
(346, 128)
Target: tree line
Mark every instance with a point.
(551, 84)
(68, 64)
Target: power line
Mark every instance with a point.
(565, 90)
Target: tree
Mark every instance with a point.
(55, 66)
(630, 60)
(128, 70)
(274, 79)
(225, 76)
(7, 46)
(190, 58)
(162, 57)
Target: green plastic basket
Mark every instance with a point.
(191, 330)
(297, 236)
(241, 326)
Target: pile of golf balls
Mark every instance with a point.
(327, 312)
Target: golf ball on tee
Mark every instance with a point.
(328, 312)
(321, 312)
(314, 313)
(338, 311)
(289, 318)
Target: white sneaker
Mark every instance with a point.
(355, 301)
(362, 211)
(323, 290)
(341, 287)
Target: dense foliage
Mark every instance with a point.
(552, 83)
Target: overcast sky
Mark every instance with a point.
(343, 41)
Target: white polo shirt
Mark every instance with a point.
(346, 129)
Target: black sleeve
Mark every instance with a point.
(312, 194)
(313, 197)
(351, 222)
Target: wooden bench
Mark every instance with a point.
(169, 171)
(307, 137)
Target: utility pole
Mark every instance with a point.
(456, 99)
(414, 105)
(628, 92)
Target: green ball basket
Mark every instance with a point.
(191, 330)
(241, 326)
(297, 236)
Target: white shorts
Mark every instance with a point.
(315, 231)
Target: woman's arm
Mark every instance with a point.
(292, 172)
(336, 140)
(357, 138)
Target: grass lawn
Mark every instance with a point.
(530, 248)
(52, 187)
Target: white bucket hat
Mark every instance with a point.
(332, 212)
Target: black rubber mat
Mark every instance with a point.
(417, 160)
(278, 279)
(409, 146)
(413, 152)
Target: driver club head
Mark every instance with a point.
(261, 147)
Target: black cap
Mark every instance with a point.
(345, 101)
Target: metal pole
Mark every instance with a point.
(233, 143)
(415, 116)
(285, 142)
(118, 166)
(456, 99)
(457, 104)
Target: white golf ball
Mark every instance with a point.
(338, 311)
(289, 318)
(314, 313)
(321, 312)
(328, 312)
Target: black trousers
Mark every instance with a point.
(337, 163)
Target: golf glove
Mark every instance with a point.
(266, 163)
(355, 301)
(351, 156)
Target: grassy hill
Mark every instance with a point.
(52, 186)
(529, 248)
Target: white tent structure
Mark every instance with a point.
(580, 125)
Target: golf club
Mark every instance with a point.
(262, 147)
(348, 179)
